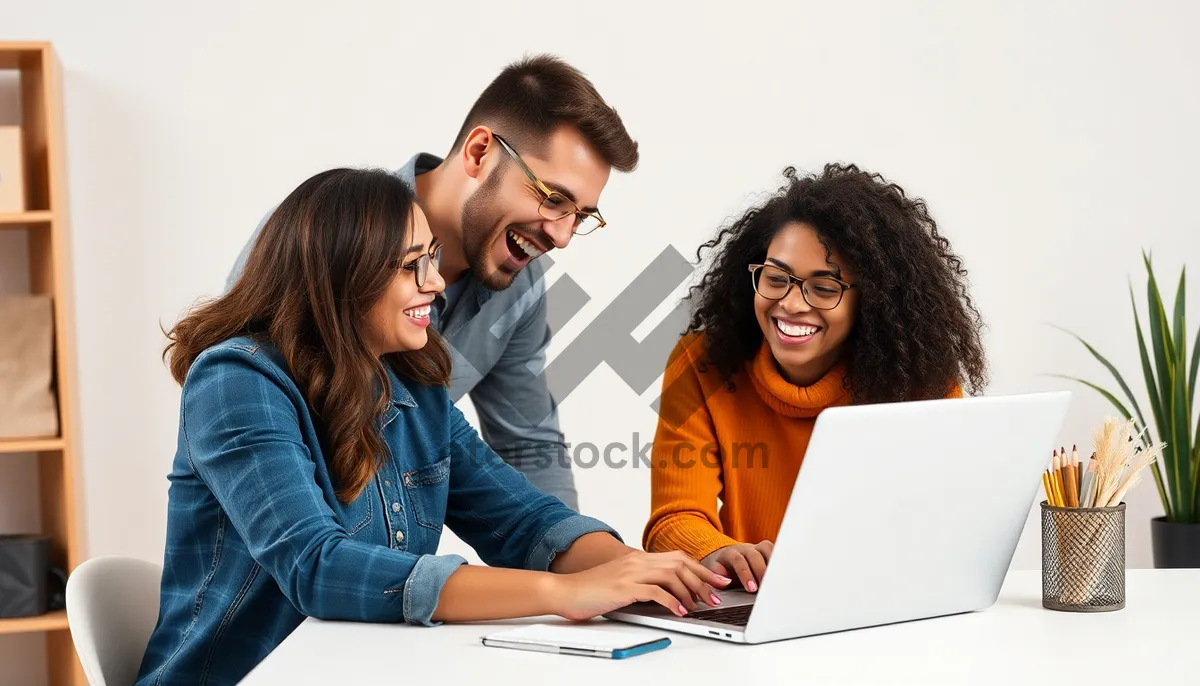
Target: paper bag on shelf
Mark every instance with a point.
(27, 402)
(12, 171)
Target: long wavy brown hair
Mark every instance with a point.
(321, 261)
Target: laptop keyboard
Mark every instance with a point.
(738, 615)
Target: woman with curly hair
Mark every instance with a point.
(837, 290)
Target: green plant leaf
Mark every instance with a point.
(1162, 491)
(1164, 357)
(1147, 371)
(1160, 335)
(1191, 404)
(1182, 421)
(1196, 474)
(1192, 373)
(1112, 370)
(1181, 425)
(1108, 396)
(1155, 404)
(1195, 367)
(1180, 296)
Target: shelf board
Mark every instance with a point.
(30, 445)
(52, 621)
(21, 55)
(25, 218)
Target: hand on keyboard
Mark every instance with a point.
(672, 580)
(743, 561)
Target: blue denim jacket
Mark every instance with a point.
(498, 341)
(257, 540)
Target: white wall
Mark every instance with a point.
(1052, 140)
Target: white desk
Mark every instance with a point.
(1152, 641)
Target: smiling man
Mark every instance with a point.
(523, 177)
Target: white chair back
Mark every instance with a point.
(112, 607)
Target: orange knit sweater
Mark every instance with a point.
(743, 448)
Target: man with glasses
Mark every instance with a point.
(523, 177)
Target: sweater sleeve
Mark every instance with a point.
(685, 474)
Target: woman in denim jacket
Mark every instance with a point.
(319, 456)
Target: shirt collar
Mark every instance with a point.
(416, 165)
(419, 164)
(401, 397)
(400, 393)
(482, 294)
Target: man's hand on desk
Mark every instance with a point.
(672, 580)
(745, 560)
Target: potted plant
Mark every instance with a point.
(1170, 378)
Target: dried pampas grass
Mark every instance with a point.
(1122, 452)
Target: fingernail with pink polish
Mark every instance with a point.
(682, 610)
(752, 587)
(715, 599)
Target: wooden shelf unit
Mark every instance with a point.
(51, 621)
(50, 273)
(25, 219)
(30, 445)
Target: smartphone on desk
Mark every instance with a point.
(570, 640)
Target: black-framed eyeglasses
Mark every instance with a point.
(820, 292)
(555, 205)
(420, 266)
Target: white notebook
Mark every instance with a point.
(574, 640)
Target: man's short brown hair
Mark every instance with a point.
(533, 96)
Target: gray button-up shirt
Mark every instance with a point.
(498, 343)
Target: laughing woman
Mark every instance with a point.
(837, 290)
(319, 456)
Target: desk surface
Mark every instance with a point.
(1016, 641)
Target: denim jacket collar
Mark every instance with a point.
(401, 397)
(400, 393)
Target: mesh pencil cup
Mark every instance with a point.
(1083, 558)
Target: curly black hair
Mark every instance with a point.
(917, 333)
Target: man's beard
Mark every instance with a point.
(478, 217)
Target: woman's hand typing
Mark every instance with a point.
(672, 580)
(745, 560)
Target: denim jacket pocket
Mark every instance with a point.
(428, 490)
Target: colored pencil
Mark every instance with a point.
(1072, 488)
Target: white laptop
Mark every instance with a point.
(901, 511)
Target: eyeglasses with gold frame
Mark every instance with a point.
(555, 205)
